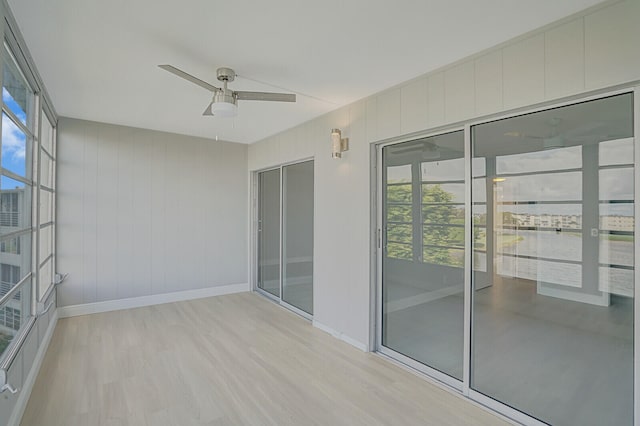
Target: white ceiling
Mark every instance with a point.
(98, 59)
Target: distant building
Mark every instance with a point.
(609, 223)
(617, 223)
(12, 219)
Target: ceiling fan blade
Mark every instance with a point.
(189, 77)
(265, 96)
(208, 111)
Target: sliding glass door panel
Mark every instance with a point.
(269, 231)
(552, 311)
(423, 257)
(297, 249)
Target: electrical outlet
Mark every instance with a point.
(594, 232)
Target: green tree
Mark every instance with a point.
(399, 210)
(437, 213)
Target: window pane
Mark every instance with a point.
(443, 193)
(399, 213)
(619, 151)
(47, 134)
(399, 193)
(46, 171)
(445, 170)
(399, 174)
(14, 261)
(540, 187)
(15, 205)
(539, 161)
(13, 315)
(400, 233)
(616, 281)
(45, 206)
(402, 251)
(443, 214)
(479, 190)
(616, 184)
(16, 94)
(479, 167)
(443, 256)
(46, 277)
(442, 235)
(46, 234)
(14, 148)
(616, 250)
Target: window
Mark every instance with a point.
(16, 184)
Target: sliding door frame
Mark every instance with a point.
(431, 372)
(464, 387)
(255, 215)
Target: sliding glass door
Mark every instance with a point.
(423, 254)
(508, 272)
(553, 318)
(285, 234)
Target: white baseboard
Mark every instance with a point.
(341, 336)
(155, 299)
(27, 386)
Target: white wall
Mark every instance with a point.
(143, 213)
(592, 50)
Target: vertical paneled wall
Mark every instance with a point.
(592, 50)
(143, 213)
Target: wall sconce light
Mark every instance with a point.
(338, 143)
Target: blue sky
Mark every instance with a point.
(13, 142)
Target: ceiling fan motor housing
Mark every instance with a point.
(226, 74)
(225, 96)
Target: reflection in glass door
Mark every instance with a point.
(269, 231)
(552, 317)
(423, 257)
(544, 238)
(285, 235)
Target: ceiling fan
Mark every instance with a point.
(225, 100)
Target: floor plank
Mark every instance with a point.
(229, 360)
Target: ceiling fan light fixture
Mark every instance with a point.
(224, 109)
(224, 105)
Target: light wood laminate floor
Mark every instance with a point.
(239, 360)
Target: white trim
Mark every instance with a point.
(338, 335)
(27, 387)
(155, 299)
(468, 262)
(636, 300)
